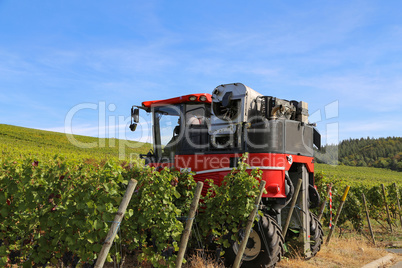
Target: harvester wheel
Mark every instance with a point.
(264, 247)
(316, 235)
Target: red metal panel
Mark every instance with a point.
(308, 160)
(178, 100)
(201, 162)
(275, 183)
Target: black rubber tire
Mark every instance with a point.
(259, 253)
(291, 192)
(314, 199)
(316, 235)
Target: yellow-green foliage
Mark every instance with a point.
(362, 180)
(354, 176)
(45, 144)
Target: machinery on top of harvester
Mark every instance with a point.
(208, 134)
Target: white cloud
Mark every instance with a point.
(319, 53)
(376, 127)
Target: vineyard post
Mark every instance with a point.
(292, 206)
(338, 213)
(250, 221)
(324, 202)
(397, 202)
(189, 225)
(116, 224)
(386, 206)
(368, 218)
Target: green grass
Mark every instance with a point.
(368, 176)
(43, 144)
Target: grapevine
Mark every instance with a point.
(59, 209)
(353, 210)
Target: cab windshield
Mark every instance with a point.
(167, 127)
(166, 130)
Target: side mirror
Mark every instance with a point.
(135, 114)
(135, 118)
(133, 126)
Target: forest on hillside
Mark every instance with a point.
(363, 152)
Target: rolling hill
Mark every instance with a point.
(40, 143)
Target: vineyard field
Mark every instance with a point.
(43, 144)
(40, 143)
(58, 200)
(57, 203)
(368, 176)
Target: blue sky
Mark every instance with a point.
(342, 57)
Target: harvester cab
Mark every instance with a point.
(175, 122)
(208, 134)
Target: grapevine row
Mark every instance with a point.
(353, 210)
(60, 210)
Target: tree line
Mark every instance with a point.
(380, 153)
